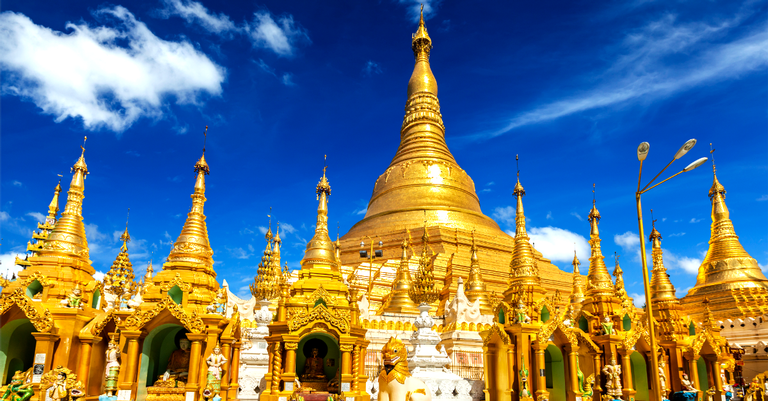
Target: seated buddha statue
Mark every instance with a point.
(178, 363)
(313, 367)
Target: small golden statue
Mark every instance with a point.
(61, 384)
(215, 363)
(607, 326)
(18, 390)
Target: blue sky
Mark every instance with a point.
(572, 87)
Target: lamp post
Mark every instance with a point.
(642, 153)
(371, 256)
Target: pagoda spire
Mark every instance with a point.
(68, 235)
(276, 248)
(476, 288)
(399, 301)
(44, 228)
(119, 279)
(729, 277)
(193, 244)
(320, 247)
(619, 274)
(423, 289)
(523, 269)
(598, 279)
(577, 295)
(662, 288)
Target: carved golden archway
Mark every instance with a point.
(42, 320)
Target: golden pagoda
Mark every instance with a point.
(43, 228)
(424, 177)
(476, 288)
(398, 301)
(316, 336)
(729, 277)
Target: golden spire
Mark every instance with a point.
(320, 247)
(598, 279)
(53, 207)
(193, 245)
(423, 289)
(119, 279)
(619, 274)
(276, 248)
(523, 268)
(661, 288)
(267, 281)
(68, 235)
(400, 301)
(577, 295)
(441, 187)
(148, 274)
(476, 288)
(727, 266)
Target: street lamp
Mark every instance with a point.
(642, 153)
(371, 256)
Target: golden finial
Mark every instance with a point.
(519, 190)
(324, 186)
(126, 238)
(716, 186)
(712, 152)
(268, 234)
(205, 138)
(576, 263)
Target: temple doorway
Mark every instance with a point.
(156, 352)
(318, 362)
(17, 348)
(554, 373)
(640, 376)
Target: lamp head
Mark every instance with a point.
(685, 148)
(642, 151)
(695, 164)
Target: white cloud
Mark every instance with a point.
(677, 235)
(639, 299)
(684, 263)
(357, 212)
(287, 228)
(506, 214)
(694, 220)
(108, 76)
(195, 12)
(549, 215)
(371, 68)
(280, 36)
(578, 216)
(484, 190)
(239, 253)
(762, 198)
(644, 73)
(98, 276)
(37, 216)
(627, 241)
(4, 216)
(414, 8)
(266, 68)
(288, 79)
(16, 183)
(557, 244)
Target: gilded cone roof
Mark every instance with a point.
(599, 280)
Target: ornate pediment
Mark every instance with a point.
(191, 322)
(301, 317)
(39, 316)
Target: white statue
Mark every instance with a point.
(687, 384)
(613, 379)
(460, 310)
(662, 379)
(215, 363)
(521, 314)
(112, 355)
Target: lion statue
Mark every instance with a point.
(395, 380)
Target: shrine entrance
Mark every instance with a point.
(318, 361)
(156, 352)
(17, 348)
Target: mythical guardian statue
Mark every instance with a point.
(395, 380)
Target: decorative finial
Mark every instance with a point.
(205, 138)
(421, 18)
(712, 152)
(593, 194)
(338, 228)
(653, 222)
(616, 257)
(83, 147)
(126, 238)
(517, 161)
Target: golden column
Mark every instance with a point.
(626, 373)
(131, 369)
(83, 365)
(226, 348)
(234, 364)
(573, 386)
(511, 374)
(195, 352)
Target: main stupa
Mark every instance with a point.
(424, 186)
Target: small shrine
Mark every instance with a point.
(316, 344)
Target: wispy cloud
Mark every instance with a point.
(505, 214)
(70, 74)
(549, 215)
(762, 198)
(280, 36)
(288, 79)
(17, 183)
(195, 12)
(578, 216)
(558, 244)
(39, 217)
(694, 220)
(371, 68)
(643, 69)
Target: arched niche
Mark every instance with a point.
(554, 372)
(639, 376)
(17, 347)
(156, 351)
(96, 299)
(328, 349)
(176, 294)
(544, 314)
(584, 324)
(701, 368)
(502, 316)
(626, 323)
(34, 288)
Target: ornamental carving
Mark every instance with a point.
(44, 281)
(584, 339)
(191, 322)
(99, 326)
(300, 318)
(291, 346)
(495, 329)
(186, 287)
(320, 293)
(630, 339)
(346, 347)
(43, 321)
